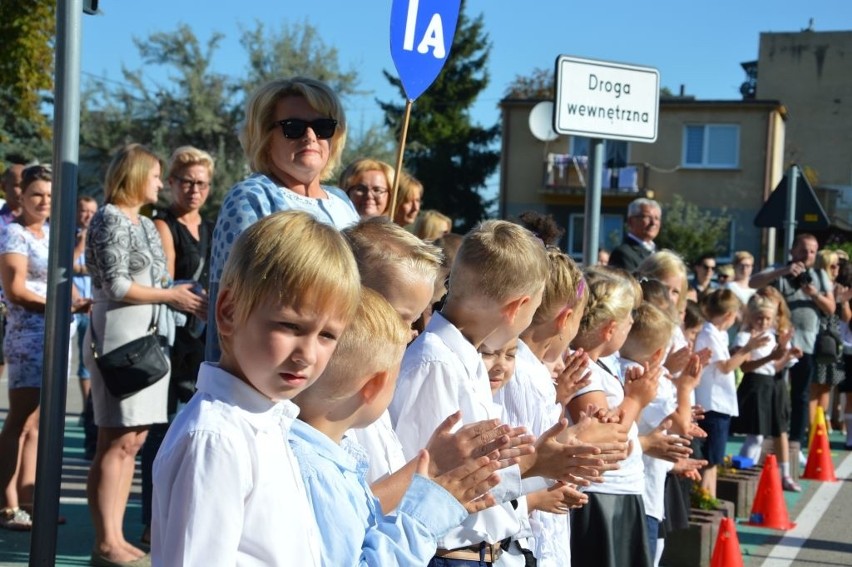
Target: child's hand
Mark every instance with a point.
(595, 432)
(563, 461)
(689, 468)
(756, 341)
(574, 377)
(558, 499)
(704, 355)
(450, 450)
(659, 445)
(677, 360)
(468, 483)
(691, 375)
(640, 384)
(697, 412)
(696, 431)
(785, 338)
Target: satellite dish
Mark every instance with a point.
(541, 121)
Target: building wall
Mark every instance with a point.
(811, 72)
(741, 190)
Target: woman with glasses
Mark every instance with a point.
(293, 136)
(186, 238)
(368, 183)
(23, 272)
(828, 373)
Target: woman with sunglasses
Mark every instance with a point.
(293, 136)
(23, 271)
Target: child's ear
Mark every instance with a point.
(608, 330)
(374, 386)
(511, 308)
(563, 318)
(225, 312)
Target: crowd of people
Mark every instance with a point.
(349, 382)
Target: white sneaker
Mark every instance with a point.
(803, 462)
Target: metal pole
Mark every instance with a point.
(57, 316)
(593, 203)
(790, 223)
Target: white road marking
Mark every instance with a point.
(786, 550)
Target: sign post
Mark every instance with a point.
(604, 100)
(421, 34)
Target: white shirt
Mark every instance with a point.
(744, 293)
(767, 369)
(441, 373)
(382, 446)
(227, 488)
(630, 477)
(529, 399)
(662, 406)
(717, 391)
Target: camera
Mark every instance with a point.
(801, 280)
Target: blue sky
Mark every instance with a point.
(696, 44)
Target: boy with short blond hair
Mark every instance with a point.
(227, 488)
(496, 284)
(353, 392)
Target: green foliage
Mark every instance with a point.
(539, 84)
(449, 154)
(691, 232)
(27, 32)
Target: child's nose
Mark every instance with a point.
(305, 351)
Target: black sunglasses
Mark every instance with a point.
(295, 127)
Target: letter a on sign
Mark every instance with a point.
(421, 33)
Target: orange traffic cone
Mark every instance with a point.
(769, 509)
(727, 551)
(819, 465)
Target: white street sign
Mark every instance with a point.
(601, 99)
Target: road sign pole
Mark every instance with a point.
(790, 223)
(593, 203)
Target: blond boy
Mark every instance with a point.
(353, 392)
(227, 488)
(496, 284)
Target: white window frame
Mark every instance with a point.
(705, 147)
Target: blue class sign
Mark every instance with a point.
(421, 34)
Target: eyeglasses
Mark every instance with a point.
(186, 183)
(362, 190)
(647, 218)
(296, 128)
(834, 266)
(708, 267)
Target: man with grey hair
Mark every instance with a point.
(643, 226)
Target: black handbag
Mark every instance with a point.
(829, 345)
(133, 366)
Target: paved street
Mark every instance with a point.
(823, 512)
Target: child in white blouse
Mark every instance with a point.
(227, 488)
(717, 391)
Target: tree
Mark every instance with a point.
(449, 154)
(27, 32)
(691, 232)
(539, 84)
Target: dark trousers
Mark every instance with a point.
(801, 376)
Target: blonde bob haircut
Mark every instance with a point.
(387, 253)
(291, 257)
(498, 260)
(188, 156)
(410, 188)
(430, 225)
(359, 167)
(663, 265)
(564, 286)
(652, 330)
(258, 128)
(127, 175)
(611, 298)
(375, 323)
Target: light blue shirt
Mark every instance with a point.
(350, 518)
(247, 202)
